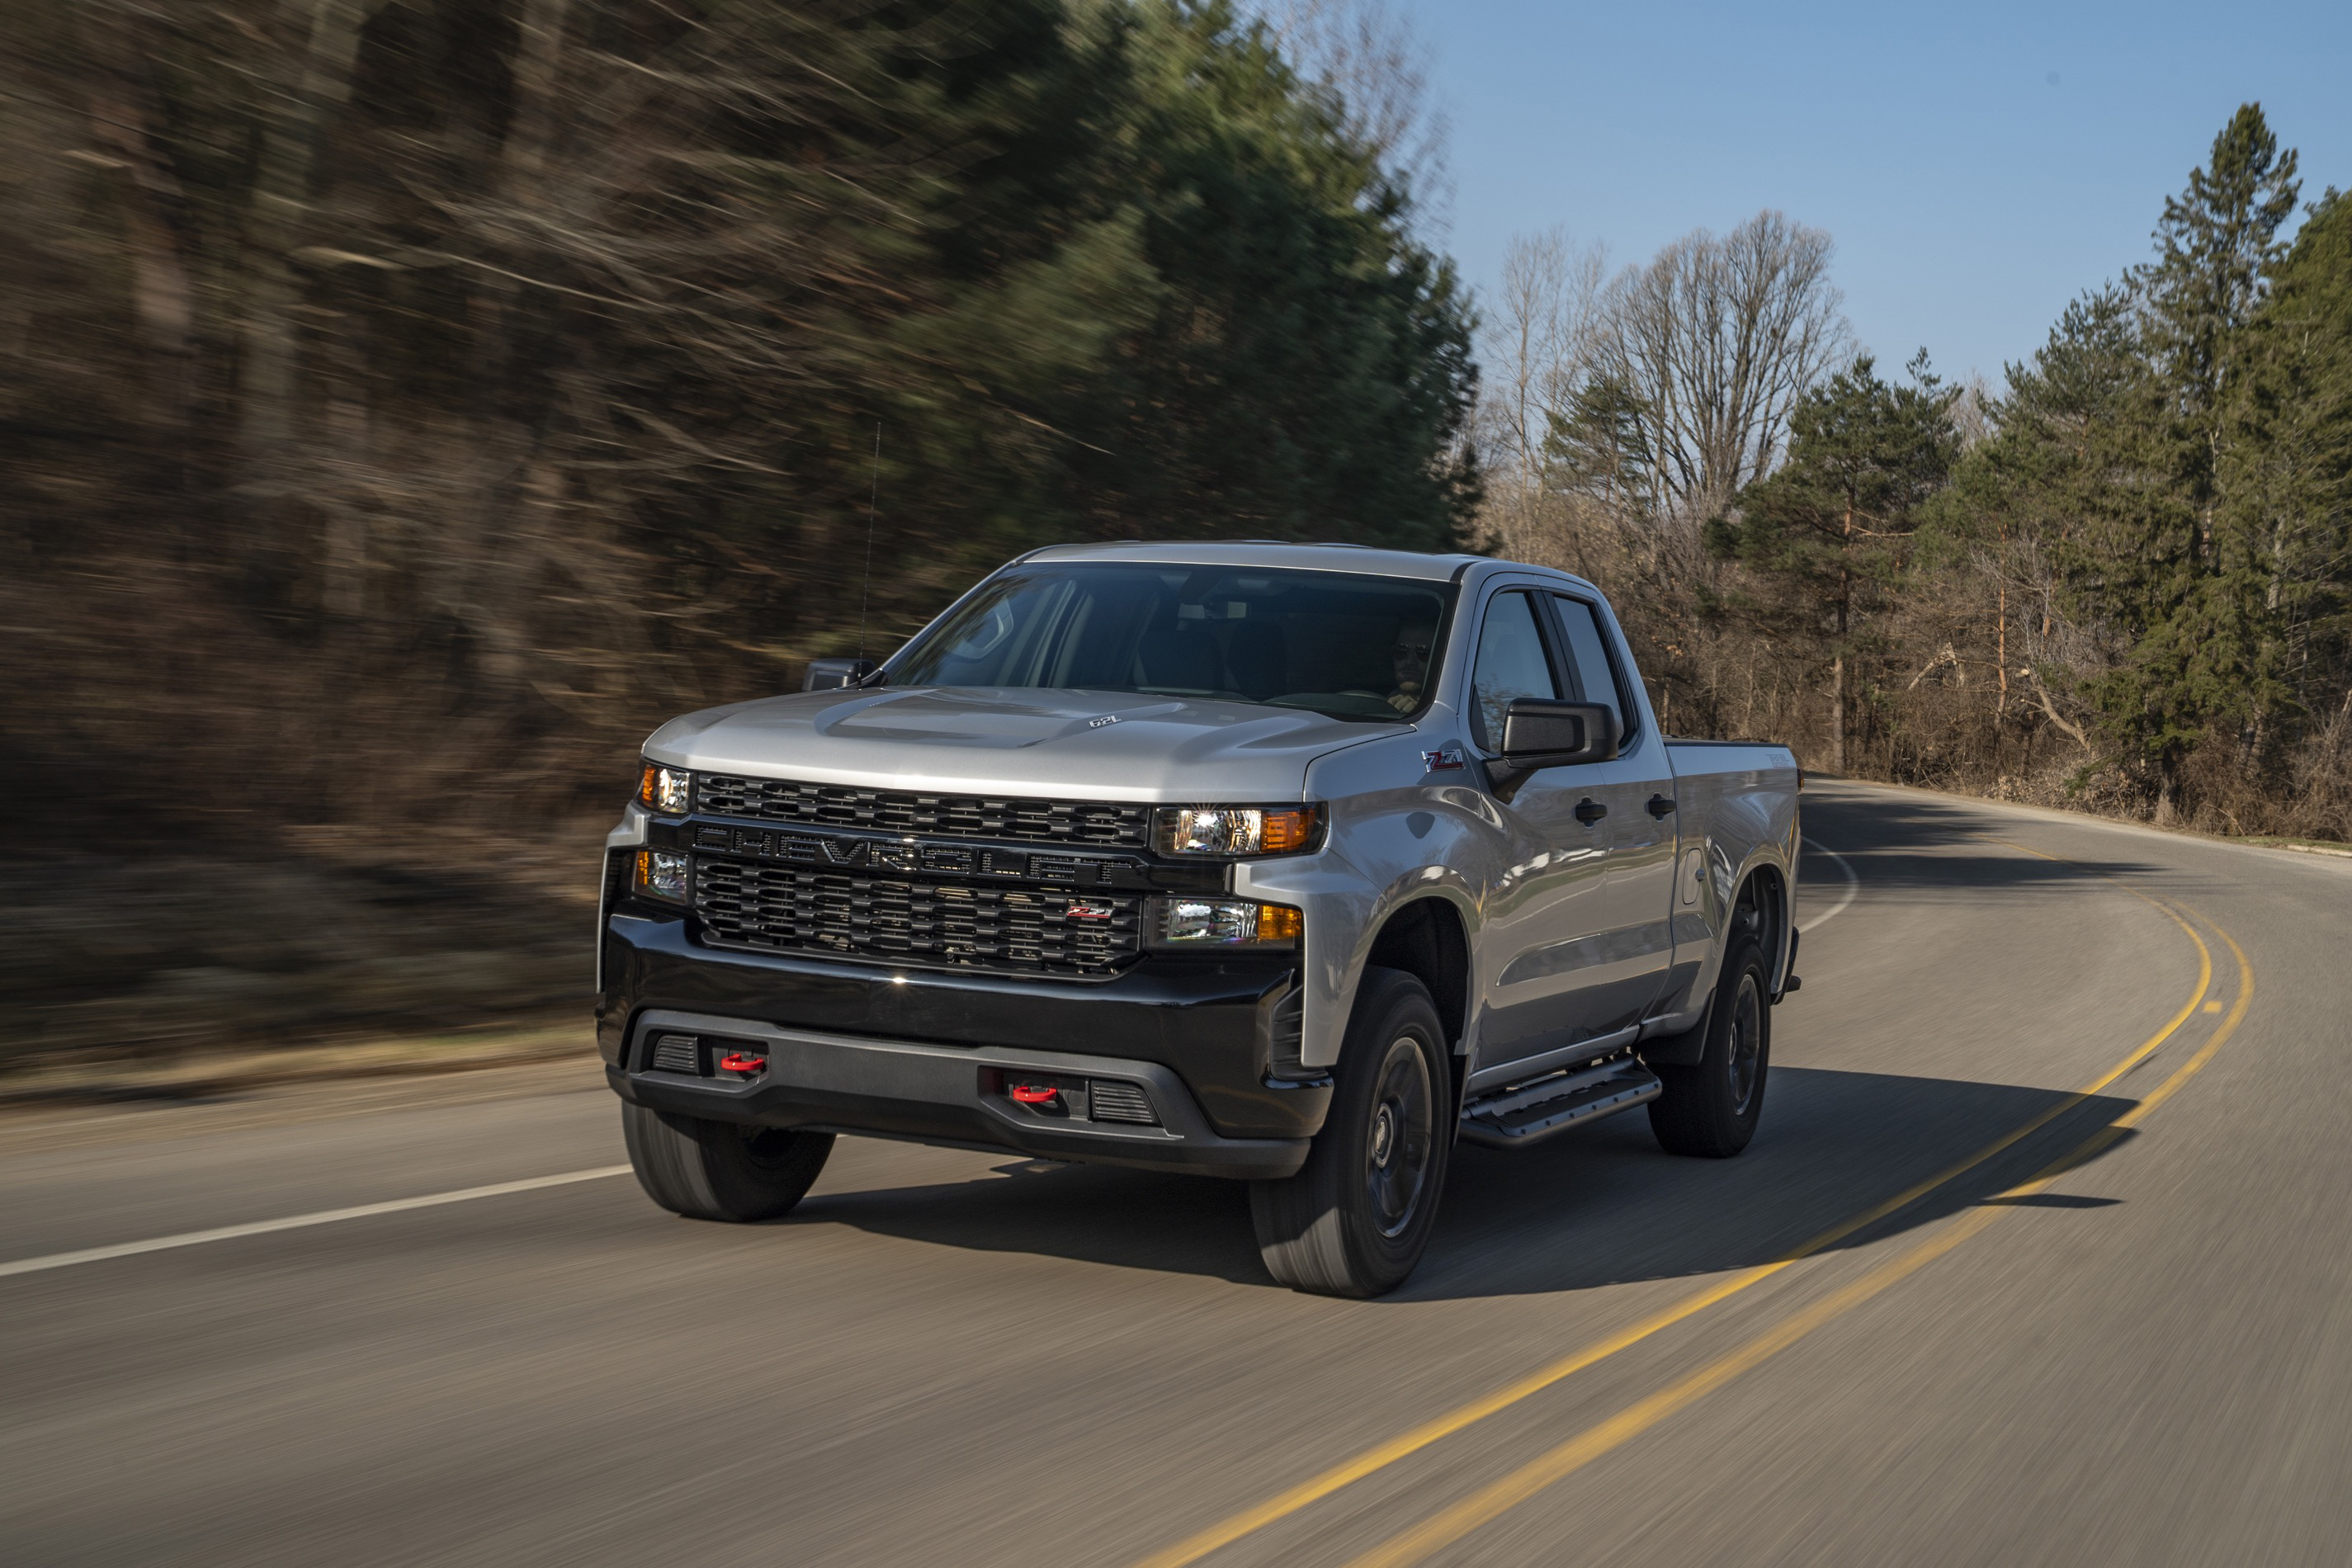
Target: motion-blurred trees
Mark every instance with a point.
(452, 390)
(406, 405)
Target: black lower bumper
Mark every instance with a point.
(946, 1094)
(911, 1054)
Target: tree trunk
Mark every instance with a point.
(1837, 714)
(281, 197)
(1837, 667)
(121, 118)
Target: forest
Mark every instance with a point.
(2119, 581)
(409, 404)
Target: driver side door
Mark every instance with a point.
(1579, 949)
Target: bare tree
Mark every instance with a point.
(1369, 58)
(1537, 345)
(1617, 419)
(1716, 339)
(1537, 348)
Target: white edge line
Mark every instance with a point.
(1852, 885)
(298, 1222)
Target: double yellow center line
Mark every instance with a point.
(1454, 1522)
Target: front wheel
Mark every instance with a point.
(1710, 1109)
(721, 1170)
(1357, 1216)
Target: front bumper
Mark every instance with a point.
(943, 1094)
(860, 1048)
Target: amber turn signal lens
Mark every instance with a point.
(1286, 832)
(1279, 922)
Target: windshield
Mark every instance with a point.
(1342, 644)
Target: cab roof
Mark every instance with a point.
(1269, 553)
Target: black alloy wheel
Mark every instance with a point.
(1745, 1056)
(1710, 1109)
(1358, 1215)
(1397, 1148)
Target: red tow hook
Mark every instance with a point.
(742, 1062)
(1038, 1094)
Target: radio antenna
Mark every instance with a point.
(873, 497)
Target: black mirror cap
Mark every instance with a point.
(827, 674)
(1541, 733)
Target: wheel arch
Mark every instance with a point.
(1764, 899)
(1427, 938)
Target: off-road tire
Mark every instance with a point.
(1355, 1218)
(1709, 1110)
(721, 1170)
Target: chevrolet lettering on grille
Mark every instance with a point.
(852, 852)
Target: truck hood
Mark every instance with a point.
(1094, 745)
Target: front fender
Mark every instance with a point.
(1427, 835)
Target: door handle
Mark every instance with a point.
(1661, 807)
(1590, 811)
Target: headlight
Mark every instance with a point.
(1235, 832)
(661, 874)
(669, 790)
(1182, 922)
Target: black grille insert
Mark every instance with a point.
(792, 909)
(1111, 1101)
(901, 811)
(677, 1053)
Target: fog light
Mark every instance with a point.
(1224, 922)
(661, 874)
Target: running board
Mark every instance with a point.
(1532, 1112)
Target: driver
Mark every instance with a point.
(1411, 654)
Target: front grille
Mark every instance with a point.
(794, 909)
(901, 811)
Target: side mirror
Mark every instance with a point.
(827, 674)
(1539, 733)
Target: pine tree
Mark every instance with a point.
(2021, 503)
(2285, 479)
(2188, 595)
(1828, 530)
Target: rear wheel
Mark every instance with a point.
(721, 1170)
(1710, 1109)
(1355, 1218)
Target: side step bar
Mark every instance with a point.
(1529, 1113)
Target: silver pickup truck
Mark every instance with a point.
(1286, 863)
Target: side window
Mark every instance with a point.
(1511, 663)
(1588, 659)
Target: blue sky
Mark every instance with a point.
(1978, 166)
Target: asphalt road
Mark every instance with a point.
(2116, 1326)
